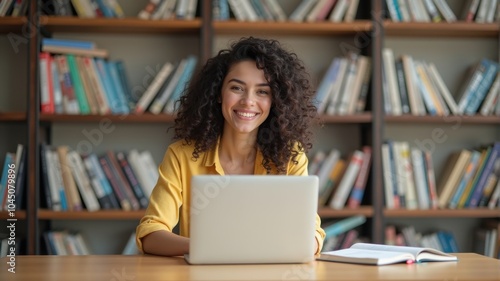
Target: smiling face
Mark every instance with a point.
(246, 98)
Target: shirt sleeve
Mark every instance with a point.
(165, 200)
(300, 168)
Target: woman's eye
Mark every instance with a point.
(236, 88)
(263, 92)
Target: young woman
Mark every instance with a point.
(248, 111)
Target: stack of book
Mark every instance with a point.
(114, 180)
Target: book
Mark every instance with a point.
(377, 254)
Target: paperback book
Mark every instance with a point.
(376, 254)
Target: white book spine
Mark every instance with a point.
(346, 183)
(326, 169)
(387, 175)
(443, 89)
(163, 97)
(445, 10)
(492, 98)
(153, 88)
(313, 13)
(51, 174)
(420, 182)
(276, 9)
(350, 14)
(362, 68)
(390, 68)
(82, 181)
(347, 89)
(336, 87)
(339, 10)
(299, 14)
(411, 195)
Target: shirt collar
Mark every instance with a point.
(211, 159)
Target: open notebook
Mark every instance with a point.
(376, 254)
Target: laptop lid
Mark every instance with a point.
(252, 219)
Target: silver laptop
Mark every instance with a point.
(252, 219)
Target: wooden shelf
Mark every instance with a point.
(20, 215)
(85, 215)
(126, 118)
(119, 25)
(451, 119)
(167, 118)
(445, 213)
(13, 116)
(291, 28)
(365, 117)
(12, 24)
(325, 212)
(456, 29)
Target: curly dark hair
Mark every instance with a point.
(286, 131)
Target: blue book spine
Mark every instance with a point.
(478, 94)
(344, 226)
(120, 94)
(488, 169)
(469, 173)
(104, 181)
(68, 43)
(183, 80)
(108, 85)
(5, 173)
(106, 10)
(321, 97)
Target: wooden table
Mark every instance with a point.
(150, 268)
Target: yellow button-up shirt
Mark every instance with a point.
(172, 191)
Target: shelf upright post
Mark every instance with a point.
(378, 220)
(32, 190)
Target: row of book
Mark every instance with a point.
(469, 180)
(344, 87)
(420, 11)
(113, 180)
(76, 78)
(479, 11)
(83, 8)
(13, 8)
(487, 239)
(169, 9)
(342, 182)
(65, 243)
(72, 243)
(412, 86)
(13, 179)
(407, 236)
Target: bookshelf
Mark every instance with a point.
(144, 44)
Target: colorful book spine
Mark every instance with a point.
(77, 85)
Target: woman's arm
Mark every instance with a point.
(165, 243)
